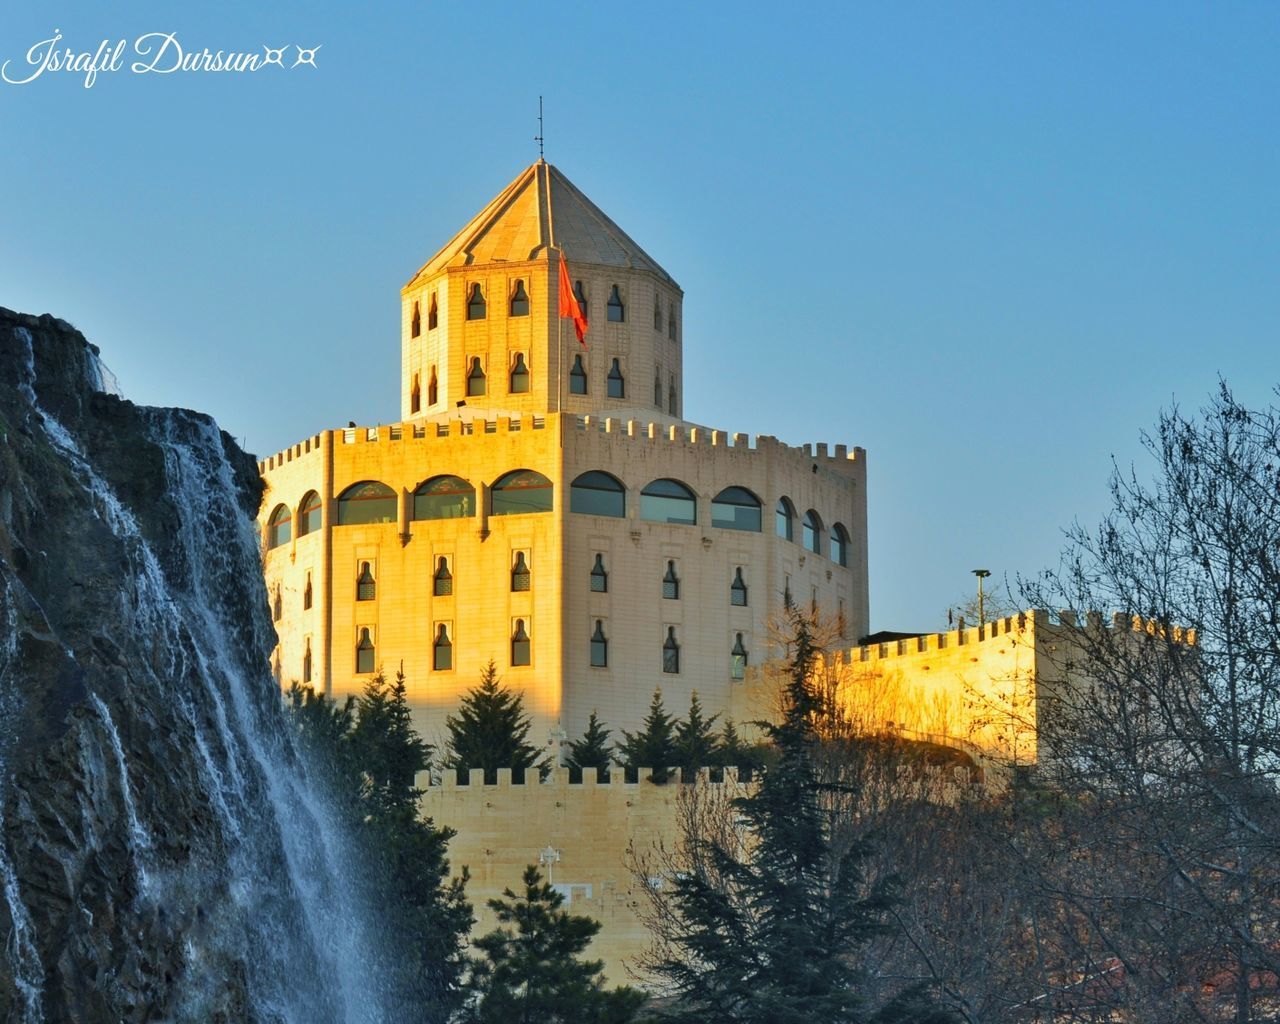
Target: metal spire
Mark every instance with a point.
(538, 138)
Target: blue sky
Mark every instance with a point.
(987, 242)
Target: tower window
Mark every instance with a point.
(369, 501)
(366, 587)
(521, 490)
(657, 388)
(599, 646)
(433, 389)
(668, 501)
(442, 650)
(671, 652)
(736, 508)
(519, 300)
(520, 376)
(596, 493)
(476, 308)
(475, 379)
(415, 396)
(738, 659)
(520, 575)
(617, 312)
(277, 605)
(309, 514)
(784, 517)
(279, 526)
(444, 497)
(671, 396)
(306, 594)
(657, 314)
(442, 581)
(415, 327)
(364, 652)
(839, 544)
(738, 590)
(671, 583)
(306, 662)
(616, 386)
(577, 377)
(671, 323)
(813, 532)
(599, 576)
(580, 294)
(521, 648)
(433, 316)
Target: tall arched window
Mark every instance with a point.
(578, 377)
(306, 594)
(671, 397)
(615, 385)
(657, 314)
(433, 314)
(669, 501)
(442, 650)
(476, 308)
(279, 527)
(599, 576)
(519, 300)
(415, 395)
(657, 388)
(839, 544)
(309, 514)
(599, 646)
(365, 655)
(813, 532)
(521, 647)
(306, 661)
(617, 312)
(580, 294)
(521, 490)
(784, 519)
(671, 652)
(671, 323)
(519, 376)
(670, 583)
(415, 327)
(367, 502)
(596, 493)
(277, 605)
(738, 589)
(738, 659)
(736, 508)
(444, 497)
(433, 388)
(475, 379)
(521, 577)
(366, 585)
(442, 581)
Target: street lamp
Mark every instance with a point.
(982, 574)
(547, 858)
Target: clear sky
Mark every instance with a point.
(987, 242)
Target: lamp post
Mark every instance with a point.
(547, 858)
(982, 574)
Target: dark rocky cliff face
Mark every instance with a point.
(162, 853)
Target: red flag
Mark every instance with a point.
(569, 306)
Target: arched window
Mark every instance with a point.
(670, 583)
(309, 514)
(671, 397)
(277, 605)
(669, 501)
(521, 577)
(617, 313)
(306, 662)
(415, 395)
(784, 518)
(736, 508)
(738, 589)
(367, 502)
(366, 586)
(598, 494)
(599, 576)
(599, 646)
(657, 388)
(442, 650)
(671, 323)
(475, 379)
(444, 497)
(442, 581)
(671, 652)
(433, 315)
(415, 327)
(813, 532)
(521, 490)
(738, 659)
(580, 294)
(615, 386)
(657, 314)
(578, 377)
(476, 309)
(279, 527)
(519, 300)
(433, 388)
(519, 376)
(365, 660)
(521, 648)
(306, 594)
(839, 544)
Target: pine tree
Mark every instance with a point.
(592, 751)
(532, 974)
(490, 731)
(766, 930)
(733, 752)
(389, 751)
(696, 743)
(653, 746)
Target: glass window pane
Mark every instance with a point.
(519, 492)
(367, 502)
(444, 497)
(597, 494)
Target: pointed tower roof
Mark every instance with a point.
(541, 207)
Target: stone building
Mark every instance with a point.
(545, 503)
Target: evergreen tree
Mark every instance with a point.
(654, 746)
(390, 753)
(490, 731)
(592, 751)
(766, 930)
(532, 974)
(733, 752)
(696, 744)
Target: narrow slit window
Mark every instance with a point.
(671, 397)
(433, 388)
(738, 590)
(366, 586)
(415, 396)
(520, 376)
(671, 323)
(476, 308)
(671, 653)
(520, 575)
(306, 663)
(599, 646)
(521, 647)
(657, 314)
(365, 652)
(306, 594)
(277, 605)
(738, 659)
(580, 294)
(442, 650)
(657, 388)
(617, 312)
(442, 585)
(671, 583)
(577, 377)
(617, 386)
(519, 300)
(415, 328)
(475, 379)
(599, 576)
(433, 315)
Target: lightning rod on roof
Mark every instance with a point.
(538, 138)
